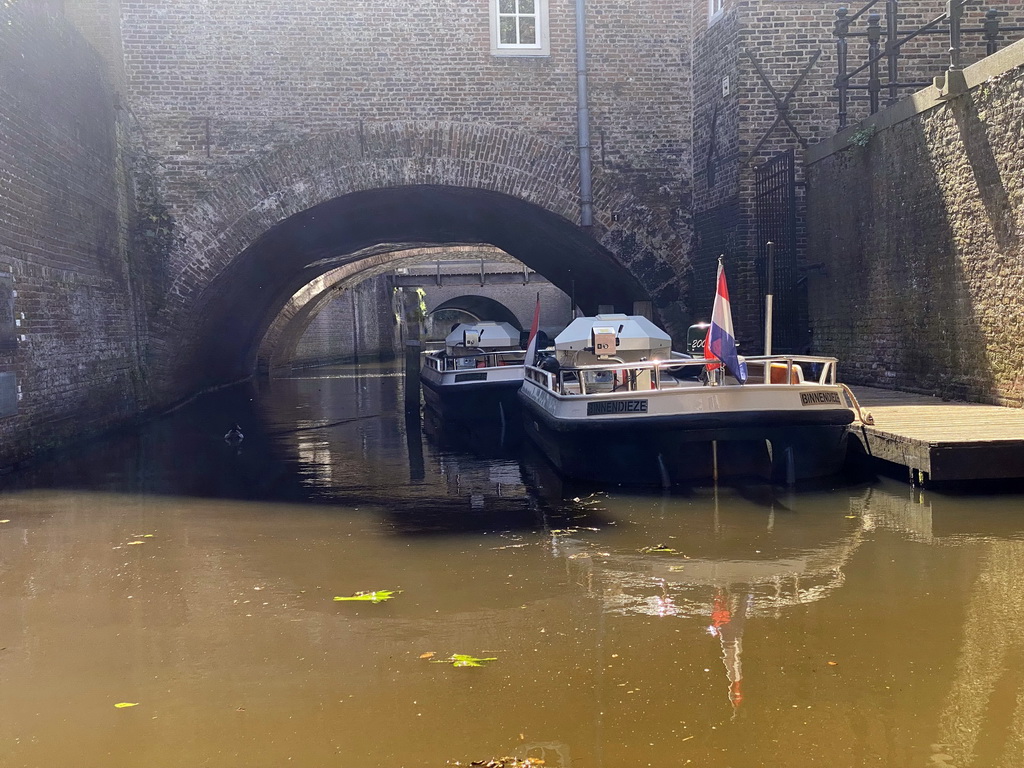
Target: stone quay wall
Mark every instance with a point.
(70, 330)
(919, 235)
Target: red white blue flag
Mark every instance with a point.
(720, 342)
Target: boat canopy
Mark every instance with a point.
(628, 338)
(485, 334)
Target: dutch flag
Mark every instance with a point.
(720, 342)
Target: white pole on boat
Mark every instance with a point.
(768, 299)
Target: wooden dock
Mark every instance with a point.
(941, 440)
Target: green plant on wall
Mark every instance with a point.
(862, 136)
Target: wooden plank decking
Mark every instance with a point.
(942, 440)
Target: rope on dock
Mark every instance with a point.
(864, 416)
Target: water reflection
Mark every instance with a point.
(850, 626)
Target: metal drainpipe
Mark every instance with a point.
(583, 120)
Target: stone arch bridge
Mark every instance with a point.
(264, 252)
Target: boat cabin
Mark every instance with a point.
(483, 344)
(604, 340)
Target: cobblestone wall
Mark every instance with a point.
(919, 234)
(69, 362)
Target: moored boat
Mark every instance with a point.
(615, 403)
(476, 374)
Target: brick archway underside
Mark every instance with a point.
(252, 248)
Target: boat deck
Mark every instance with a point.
(941, 440)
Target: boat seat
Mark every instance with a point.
(777, 374)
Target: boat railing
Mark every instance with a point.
(680, 371)
(470, 359)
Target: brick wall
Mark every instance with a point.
(919, 233)
(70, 364)
(218, 84)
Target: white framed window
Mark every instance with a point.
(715, 10)
(519, 28)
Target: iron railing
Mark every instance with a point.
(889, 49)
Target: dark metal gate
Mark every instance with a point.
(776, 210)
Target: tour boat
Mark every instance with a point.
(476, 374)
(615, 403)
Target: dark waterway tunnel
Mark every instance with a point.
(240, 304)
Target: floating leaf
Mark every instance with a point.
(123, 704)
(130, 543)
(378, 596)
(464, 660)
(659, 548)
(427, 655)
(833, 663)
(5, 521)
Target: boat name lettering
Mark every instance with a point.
(820, 398)
(616, 406)
(471, 376)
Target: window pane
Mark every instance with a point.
(527, 30)
(507, 6)
(508, 30)
(526, 6)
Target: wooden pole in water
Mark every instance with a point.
(412, 375)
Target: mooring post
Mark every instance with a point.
(412, 375)
(414, 445)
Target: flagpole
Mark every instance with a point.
(768, 299)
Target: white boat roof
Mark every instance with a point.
(486, 334)
(632, 332)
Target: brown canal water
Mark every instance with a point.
(862, 624)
